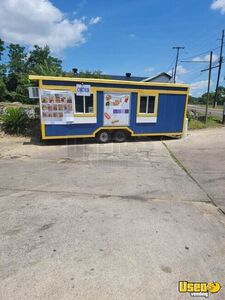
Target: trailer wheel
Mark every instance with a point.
(120, 136)
(104, 136)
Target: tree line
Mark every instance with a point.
(203, 98)
(20, 63)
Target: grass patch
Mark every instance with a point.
(212, 122)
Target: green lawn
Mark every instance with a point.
(199, 123)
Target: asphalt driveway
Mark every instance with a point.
(116, 221)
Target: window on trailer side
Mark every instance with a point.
(84, 104)
(147, 104)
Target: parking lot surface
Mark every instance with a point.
(115, 221)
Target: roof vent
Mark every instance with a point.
(128, 75)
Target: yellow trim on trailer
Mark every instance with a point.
(113, 128)
(185, 111)
(94, 90)
(94, 113)
(98, 80)
(85, 115)
(112, 89)
(44, 137)
(58, 87)
(147, 93)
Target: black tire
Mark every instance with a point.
(104, 136)
(120, 136)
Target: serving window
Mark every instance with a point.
(84, 104)
(147, 105)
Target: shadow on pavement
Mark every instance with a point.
(36, 140)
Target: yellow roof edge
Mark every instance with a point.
(37, 77)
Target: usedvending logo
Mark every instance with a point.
(199, 289)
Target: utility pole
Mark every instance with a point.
(172, 72)
(208, 91)
(219, 70)
(177, 57)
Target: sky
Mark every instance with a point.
(122, 36)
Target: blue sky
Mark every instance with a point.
(120, 36)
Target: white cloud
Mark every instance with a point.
(205, 58)
(218, 5)
(198, 85)
(95, 20)
(39, 22)
(181, 70)
(179, 80)
(149, 70)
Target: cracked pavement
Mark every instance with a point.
(115, 221)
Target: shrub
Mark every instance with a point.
(3, 90)
(14, 120)
(16, 97)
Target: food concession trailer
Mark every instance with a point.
(109, 109)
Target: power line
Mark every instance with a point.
(210, 68)
(201, 43)
(194, 61)
(170, 66)
(200, 54)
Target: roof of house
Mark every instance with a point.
(121, 77)
(137, 78)
(154, 77)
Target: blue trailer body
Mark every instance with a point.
(170, 104)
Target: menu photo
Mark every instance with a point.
(56, 106)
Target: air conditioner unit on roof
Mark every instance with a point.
(33, 92)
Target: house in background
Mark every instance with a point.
(162, 77)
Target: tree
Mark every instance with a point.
(40, 62)
(17, 79)
(221, 95)
(46, 69)
(17, 72)
(2, 48)
(193, 100)
(17, 59)
(86, 74)
(204, 98)
(3, 89)
(2, 66)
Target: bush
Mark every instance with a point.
(3, 90)
(199, 123)
(16, 97)
(14, 120)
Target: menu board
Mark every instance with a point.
(116, 109)
(56, 107)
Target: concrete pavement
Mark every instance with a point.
(203, 155)
(115, 221)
